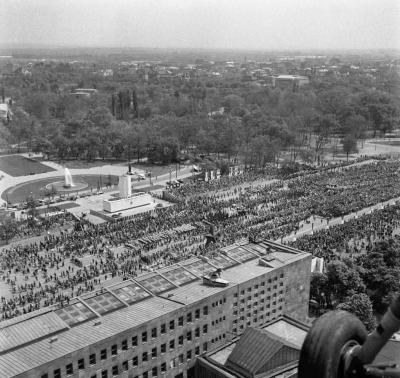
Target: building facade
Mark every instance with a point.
(156, 324)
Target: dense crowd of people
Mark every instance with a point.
(254, 204)
(354, 237)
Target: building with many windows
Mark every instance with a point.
(156, 324)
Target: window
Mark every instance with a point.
(163, 348)
(263, 283)
(57, 373)
(248, 289)
(163, 328)
(172, 324)
(205, 328)
(92, 359)
(144, 337)
(188, 354)
(154, 371)
(154, 353)
(81, 364)
(235, 295)
(45, 375)
(197, 332)
(134, 341)
(125, 365)
(114, 350)
(163, 367)
(124, 344)
(69, 369)
(115, 370)
(145, 374)
(145, 357)
(235, 304)
(154, 332)
(256, 287)
(189, 335)
(205, 310)
(241, 292)
(197, 351)
(180, 321)
(197, 314)
(189, 317)
(104, 374)
(180, 340)
(103, 354)
(180, 358)
(135, 361)
(172, 344)
(205, 345)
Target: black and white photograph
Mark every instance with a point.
(199, 188)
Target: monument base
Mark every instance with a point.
(118, 204)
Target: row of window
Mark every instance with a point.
(115, 370)
(219, 302)
(255, 320)
(263, 283)
(145, 355)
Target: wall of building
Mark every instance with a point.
(297, 296)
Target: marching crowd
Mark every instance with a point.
(254, 204)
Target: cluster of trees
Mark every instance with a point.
(201, 116)
(364, 285)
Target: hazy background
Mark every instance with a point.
(244, 24)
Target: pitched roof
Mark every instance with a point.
(256, 349)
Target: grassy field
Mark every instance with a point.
(20, 193)
(17, 165)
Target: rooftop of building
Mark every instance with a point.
(288, 329)
(47, 334)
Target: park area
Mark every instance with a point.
(17, 165)
(20, 193)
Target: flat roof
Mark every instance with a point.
(115, 309)
(29, 356)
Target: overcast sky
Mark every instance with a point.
(244, 24)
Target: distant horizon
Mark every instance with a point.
(33, 46)
(250, 25)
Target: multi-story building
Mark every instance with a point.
(291, 82)
(154, 325)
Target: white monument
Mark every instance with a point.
(126, 200)
(125, 186)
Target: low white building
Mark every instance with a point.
(135, 200)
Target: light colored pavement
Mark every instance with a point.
(319, 223)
